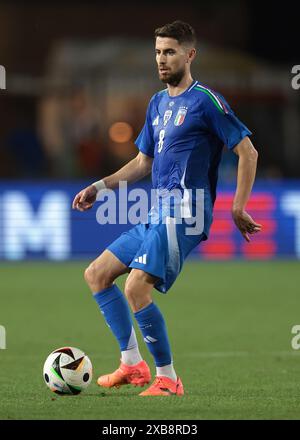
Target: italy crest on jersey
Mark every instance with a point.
(179, 120)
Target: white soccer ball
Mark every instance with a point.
(67, 370)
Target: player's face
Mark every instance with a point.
(172, 60)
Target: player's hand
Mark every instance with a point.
(85, 199)
(245, 223)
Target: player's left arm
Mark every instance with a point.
(245, 178)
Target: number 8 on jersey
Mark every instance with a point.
(161, 140)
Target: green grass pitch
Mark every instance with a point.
(230, 330)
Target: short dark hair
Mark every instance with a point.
(179, 30)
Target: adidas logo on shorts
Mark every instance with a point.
(142, 259)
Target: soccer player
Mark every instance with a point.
(186, 127)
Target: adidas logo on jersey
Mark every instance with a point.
(155, 122)
(142, 259)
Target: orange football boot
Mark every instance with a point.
(164, 386)
(138, 375)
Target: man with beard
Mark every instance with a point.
(186, 126)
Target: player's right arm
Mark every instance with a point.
(133, 171)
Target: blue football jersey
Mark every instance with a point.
(185, 135)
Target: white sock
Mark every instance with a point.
(167, 370)
(131, 356)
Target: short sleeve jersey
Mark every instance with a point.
(185, 135)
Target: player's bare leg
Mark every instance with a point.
(100, 276)
(138, 290)
(103, 271)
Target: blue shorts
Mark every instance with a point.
(158, 249)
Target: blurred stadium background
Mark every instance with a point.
(78, 80)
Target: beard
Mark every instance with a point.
(173, 78)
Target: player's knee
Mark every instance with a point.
(132, 285)
(136, 293)
(89, 274)
(130, 290)
(97, 278)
